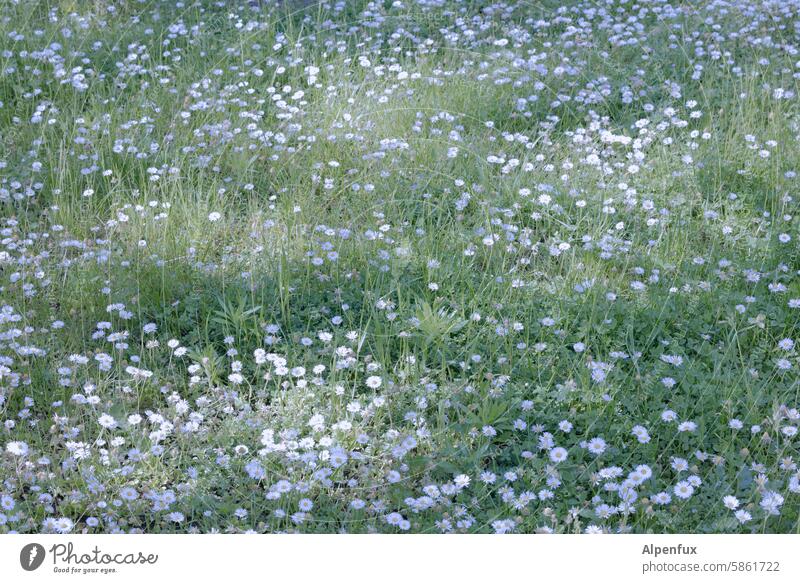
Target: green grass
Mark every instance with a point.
(513, 239)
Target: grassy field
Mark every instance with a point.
(433, 266)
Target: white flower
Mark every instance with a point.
(596, 445)
(255, 470)
(394, 518)
(683, 490)
(641, 434)
(18, 448)
(772, 502)
(731, 502)
(63, 525)
(461, 481)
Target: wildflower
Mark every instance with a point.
(743, 516)
(641, 434)
(255, 470)
(17, 448)
(63, 525)
(394, 518)
(662, 498)
(771, 502)
(730, 502)
(461, 481)
(596, 445)
(683, 490)
(128, 494)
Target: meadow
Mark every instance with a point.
(433, 266)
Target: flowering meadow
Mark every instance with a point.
(427, 266)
